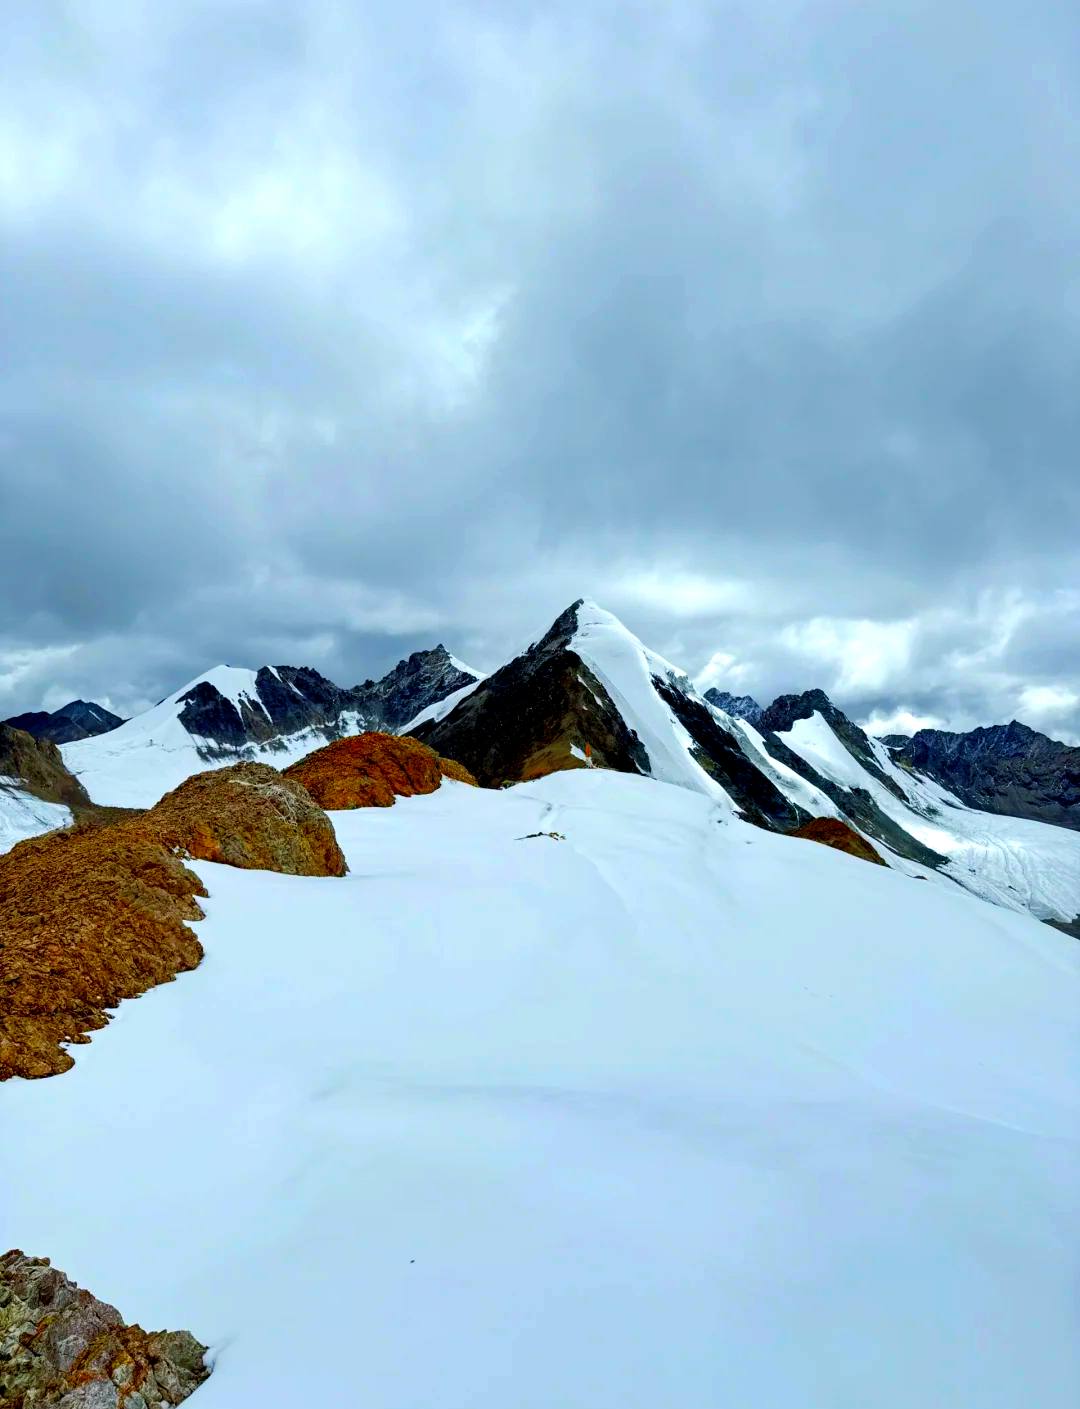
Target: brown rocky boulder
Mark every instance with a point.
(830, 831)
(250, 816)
(60, 1346)
(370, 770)
(93, 914)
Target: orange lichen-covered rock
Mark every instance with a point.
(250, 816)
(96, 913)
(450, 768)
(88, 916)
(367, 770)
(830, 831)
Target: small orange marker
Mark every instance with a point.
(588, 750)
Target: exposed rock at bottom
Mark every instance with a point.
(830, 831)
(60, 1346)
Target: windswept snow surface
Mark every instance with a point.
(1011, 861)
(675, 1112)
(136, 764)
(22, 815)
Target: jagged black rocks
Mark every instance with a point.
(1008, 769)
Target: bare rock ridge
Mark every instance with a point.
(94, 914)
(36, 766)
(411, 687)
(81, 719)
(289, 699)
(60, 1346)
(1008, 769)
(738, 706)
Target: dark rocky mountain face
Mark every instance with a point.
(738, 706)
(1008, 769)
(424, 679)
(523, 721)
(293, 698)
(80, 719)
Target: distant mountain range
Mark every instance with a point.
(959, 809)
(78, 720)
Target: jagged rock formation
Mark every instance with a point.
(97, 913)
(276, 703)
(526, 719)
(1008, 768)
(738, 706)
(411, 687)
(60, 1346)
(81, 719)
(370, 770)
(830, 831)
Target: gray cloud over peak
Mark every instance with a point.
(329, 330)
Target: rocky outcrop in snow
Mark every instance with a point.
(61, 1348)
(370, 770)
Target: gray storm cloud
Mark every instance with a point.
(328, 330)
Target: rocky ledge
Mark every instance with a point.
(60, 1346)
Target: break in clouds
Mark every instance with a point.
(329, 331)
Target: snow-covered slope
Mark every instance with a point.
(22, 815)
(676, 1112)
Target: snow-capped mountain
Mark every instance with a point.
(80, 719)
(274, 715)
(588, 693)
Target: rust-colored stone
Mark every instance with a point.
(450, 768)
(368, 770)
(94, 913)
(830, 831)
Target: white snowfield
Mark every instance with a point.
(675, 1112)
(22, 815)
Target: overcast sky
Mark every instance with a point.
(331, 329)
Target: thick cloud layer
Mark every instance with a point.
(331, 330)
